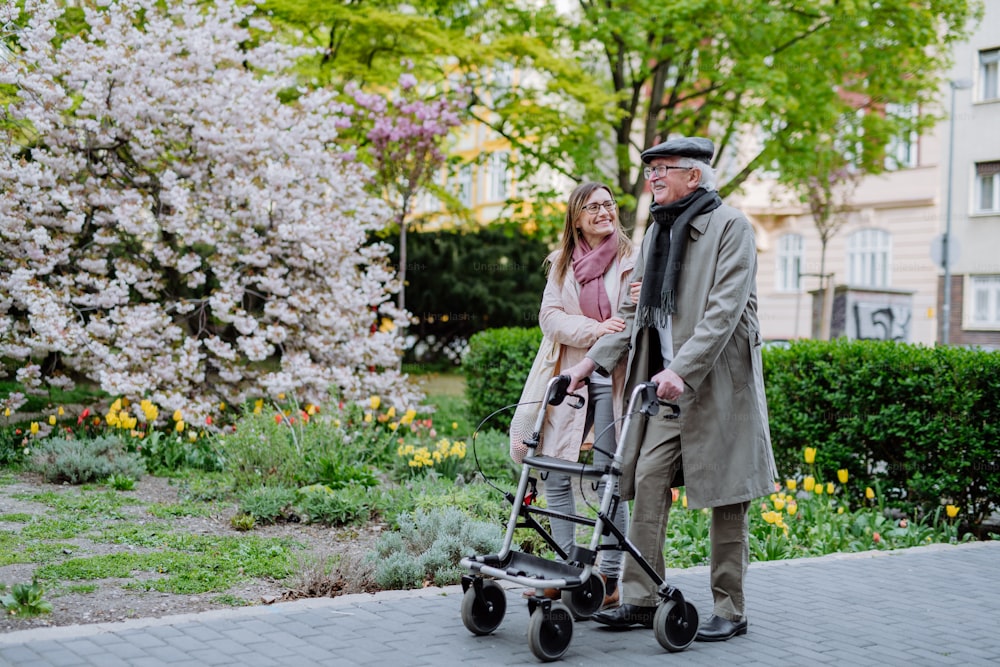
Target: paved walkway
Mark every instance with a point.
(934, 605)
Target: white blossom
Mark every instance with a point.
(172, 229)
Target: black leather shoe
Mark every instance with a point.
(719, 629)
(625, 616)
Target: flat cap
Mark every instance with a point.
(698, 148)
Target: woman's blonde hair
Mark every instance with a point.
(570, 234)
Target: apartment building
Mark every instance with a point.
(974, 271)
(884, 267)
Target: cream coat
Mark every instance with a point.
(725, 437)
(562, 320)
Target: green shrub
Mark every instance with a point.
(86, 460)
(12, 445)
(461, 281)
(120, 482)
(242, 522)
(334, 449)
(428, 547)
(268, 504)
(321, 504)
(169, 452)
(496, 367)
(262, 452)
(921, 423)
(24, 600)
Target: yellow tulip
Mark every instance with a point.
(779, 504)
(375, 401)
(842, 475)
(52, 420)
(408, 417)
(34, 428)
(829, 488)
(178, 416)
(869, 494)
(810, 454)
(791, 508)
(840, 510)
(391, 412)
(808, 483)
(818, 489)
(951, 511)
(368, 417)
(61, 411)
(684, 501)
(179, 427)
(454, 426)
(791, 484)
(6, 412)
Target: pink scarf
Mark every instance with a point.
(589, 267)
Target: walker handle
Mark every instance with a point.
(651, 402)
(559, 393)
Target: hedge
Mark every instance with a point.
(920, 424)
(495, 368)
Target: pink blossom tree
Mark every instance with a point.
(169, 228)
(402, 136)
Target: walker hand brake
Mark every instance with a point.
(651, 402)
(559, 393)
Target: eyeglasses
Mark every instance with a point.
(661, 170)
(592, 209)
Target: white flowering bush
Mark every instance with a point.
(169, 229)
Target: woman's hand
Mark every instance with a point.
(611, 325)
(633, 291)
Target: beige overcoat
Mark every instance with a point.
(725, 438)
(562, 320)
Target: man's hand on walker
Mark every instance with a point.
(669, 385)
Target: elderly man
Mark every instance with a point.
(695, 333)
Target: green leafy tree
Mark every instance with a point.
(772, 83)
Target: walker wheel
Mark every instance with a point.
(586, 600)
(549, 633)
(674, 625)
(483, 612)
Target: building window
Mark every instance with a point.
(499, 177)
(989, 74)
(868, 257)
(465, 185)
(987, 187)
(787, 276)
(901, 151)
(983, 306)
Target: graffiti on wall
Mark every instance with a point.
(881, 321)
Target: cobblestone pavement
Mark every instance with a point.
(934, 605)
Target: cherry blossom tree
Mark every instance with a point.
(170, 229)
(402, 136)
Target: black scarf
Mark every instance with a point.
(657, 297)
